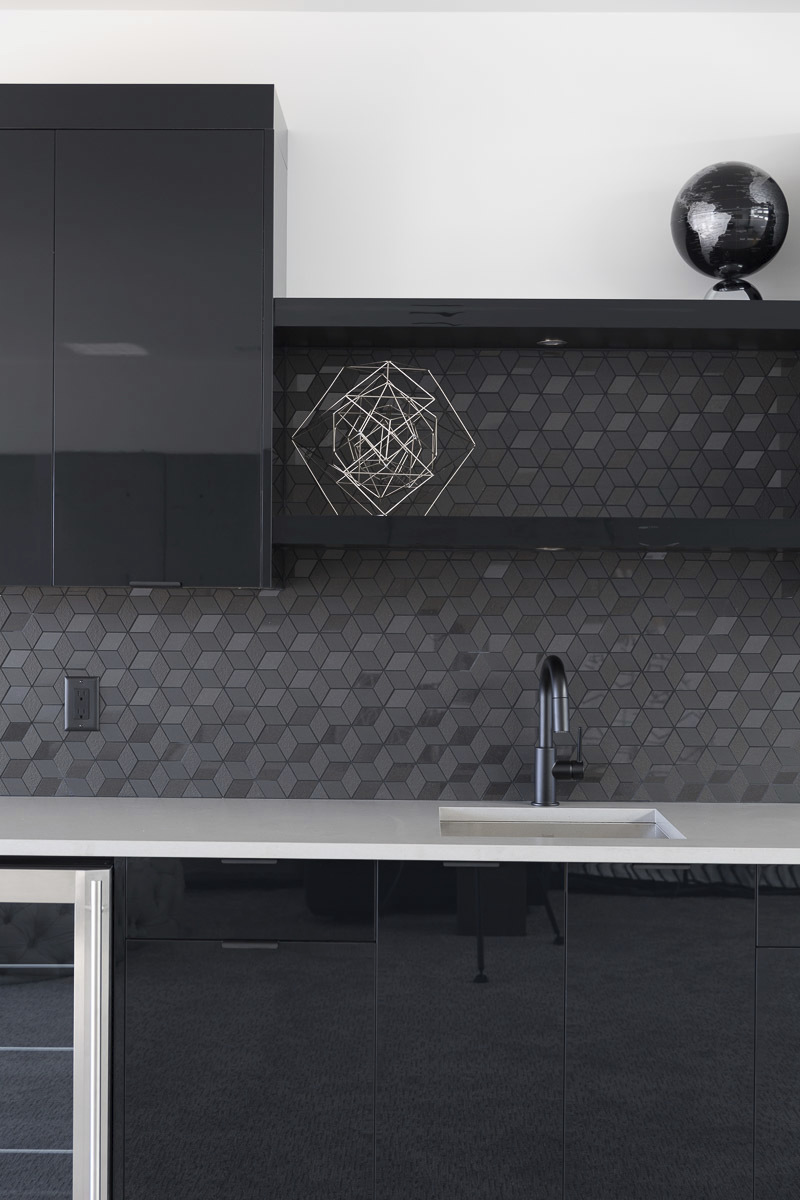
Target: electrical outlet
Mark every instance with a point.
(81, 702)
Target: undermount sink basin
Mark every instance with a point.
(563, 824)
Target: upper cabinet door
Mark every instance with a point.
(26, 359)
(159, 243)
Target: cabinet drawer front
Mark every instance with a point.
(240, 900)
(779, 906)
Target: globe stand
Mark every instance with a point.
(733, 289)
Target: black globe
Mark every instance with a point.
(729, 220)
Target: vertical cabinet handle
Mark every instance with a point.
(91, 1018)
(95, 1047)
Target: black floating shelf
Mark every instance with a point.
(536, 533)
(582, 324)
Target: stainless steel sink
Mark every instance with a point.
(563, 824)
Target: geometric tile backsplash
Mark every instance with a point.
(414, 675)
(562, 433)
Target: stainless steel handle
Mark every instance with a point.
(95, 1047)
(92, 893)
(232, 945)
(156, 583)
(671, 868)
(471, 864)
(262, 862)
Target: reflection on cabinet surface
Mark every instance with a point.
(469, 1073)
(249, 1070)
(158, 373)
(659, 1036)
(26, 356)
(779, 906)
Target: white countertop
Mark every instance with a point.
(81, 827)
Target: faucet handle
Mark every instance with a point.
(571, 768)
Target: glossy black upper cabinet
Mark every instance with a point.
(26, 363)
(152, 223)
(659, 1033)
(470, 1033)
(158, 356)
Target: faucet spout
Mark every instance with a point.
(553, 700)
(553, 717)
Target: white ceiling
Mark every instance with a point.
(378, 6)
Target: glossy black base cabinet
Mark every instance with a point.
(249, 1070)
(512, 1031)
(659, 1037)
(777, 1158)
(777, 1075)
(248, 1055)
(470, 1032)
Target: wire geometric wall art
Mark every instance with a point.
(383, 438)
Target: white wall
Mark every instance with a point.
(475, 154)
